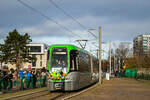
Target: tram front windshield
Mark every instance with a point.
(59, 59)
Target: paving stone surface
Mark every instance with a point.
(117, 89)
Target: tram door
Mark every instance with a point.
(74, 69)
(73, 60)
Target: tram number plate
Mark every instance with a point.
(58, 85)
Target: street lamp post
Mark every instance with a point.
(99, 54)
(100, 72)
(110, 58)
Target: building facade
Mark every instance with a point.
(141, 45)
(38, 50)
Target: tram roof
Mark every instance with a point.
(69, 46)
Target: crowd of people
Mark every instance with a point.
(10, 78)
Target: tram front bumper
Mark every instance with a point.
(54, 86)
(64, 86)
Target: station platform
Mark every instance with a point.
(118, 89)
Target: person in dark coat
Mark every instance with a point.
(116, 73)
(34, 79)
(10, 78)
(5, 80)
(1, 80)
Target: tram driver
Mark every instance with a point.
(63, 64)
(57, 63)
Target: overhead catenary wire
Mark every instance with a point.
(47, 17)
(57, 6)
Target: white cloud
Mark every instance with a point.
(115, 17)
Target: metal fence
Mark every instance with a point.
(134, 74)
(143, 76)
(15, 85)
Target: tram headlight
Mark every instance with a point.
(68, 78)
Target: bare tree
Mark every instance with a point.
(121, 54)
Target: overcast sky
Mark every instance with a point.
(121, 20)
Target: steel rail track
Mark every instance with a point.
(24, 95)
(40, 95)
(46, 95)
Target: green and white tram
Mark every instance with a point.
(70, 68)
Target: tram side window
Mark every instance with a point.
(95, 65)
(83, 62)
